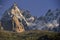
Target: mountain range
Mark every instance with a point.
(19, 20)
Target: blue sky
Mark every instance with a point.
(36, 7)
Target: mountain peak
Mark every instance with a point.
(15, 4)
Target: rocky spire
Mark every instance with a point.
(15, 4)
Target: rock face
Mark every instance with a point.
(19, 27)
(10, 20)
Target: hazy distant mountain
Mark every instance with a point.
(53, 17)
